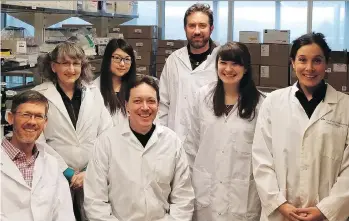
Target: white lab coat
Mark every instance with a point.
(219, 149)
(118, 117)
(47, 200)
(127, 182)
(300, 160)
(178, 85)
(73, 147)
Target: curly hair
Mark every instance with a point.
(199, 7)
(65, 49)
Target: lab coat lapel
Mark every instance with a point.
(184, 57)
(154, 137)
(9, 168)
(325, 106)
(54, 97)
(85, 108)
(38, 168)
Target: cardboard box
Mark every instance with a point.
(90, 5)
(273, 36)
(137, 32)
(255, 52)
(337, 70)
(255, 74)
(275, 54)
(337, 76)
(143, 45)
(249, 37)
(274, 76)
(161, 59)
(158, 74)
(177, 44)
(160, 67)
(165, 51)
(125, 7)
(293, 76)
(119, 29)
(101, 41)
(17, 46)
(96, 65)
(110, 6)
(145, 58)
(146, 69)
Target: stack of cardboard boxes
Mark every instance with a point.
(143, 39)
(269, 60)
(337, 71)
(275, 50)
(165, 48)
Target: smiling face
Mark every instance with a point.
(230, 72)
(198, 30)
(120, 63)
(27, 130)
(309, 65)
(142, 107)
(68, 70)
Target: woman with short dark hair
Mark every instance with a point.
(300, 150)
(219, 142)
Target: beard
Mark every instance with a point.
(198, 44)
(25, 137)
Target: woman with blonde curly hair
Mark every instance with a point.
(76, 116)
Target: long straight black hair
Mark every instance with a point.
(248, 93)
(112, 101)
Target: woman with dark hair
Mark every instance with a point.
(219, 141)
(76, 115)
(139, 170)
(300, 151)
(118, 69)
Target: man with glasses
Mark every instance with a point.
(32, 185)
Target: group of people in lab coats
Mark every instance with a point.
(203, 145)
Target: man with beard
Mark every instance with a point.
(188, 69)
(32, 185)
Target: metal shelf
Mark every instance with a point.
(18, 68)
(42, 18)
(7, 8)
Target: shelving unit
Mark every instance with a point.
(42, 18)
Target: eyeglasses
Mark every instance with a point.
(118, 60)
(76, 65)
(28, 116)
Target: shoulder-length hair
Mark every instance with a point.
(248, 93)
(65, 49)
(107, 90)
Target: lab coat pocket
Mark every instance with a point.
(244, 139)
(164, 173)
(202, 184)
(333, 135)
(244, 200)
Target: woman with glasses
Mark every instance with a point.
(118, 69)
(76, 116)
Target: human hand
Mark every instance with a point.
(308, 214)
(77, 180)
(286, 210)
